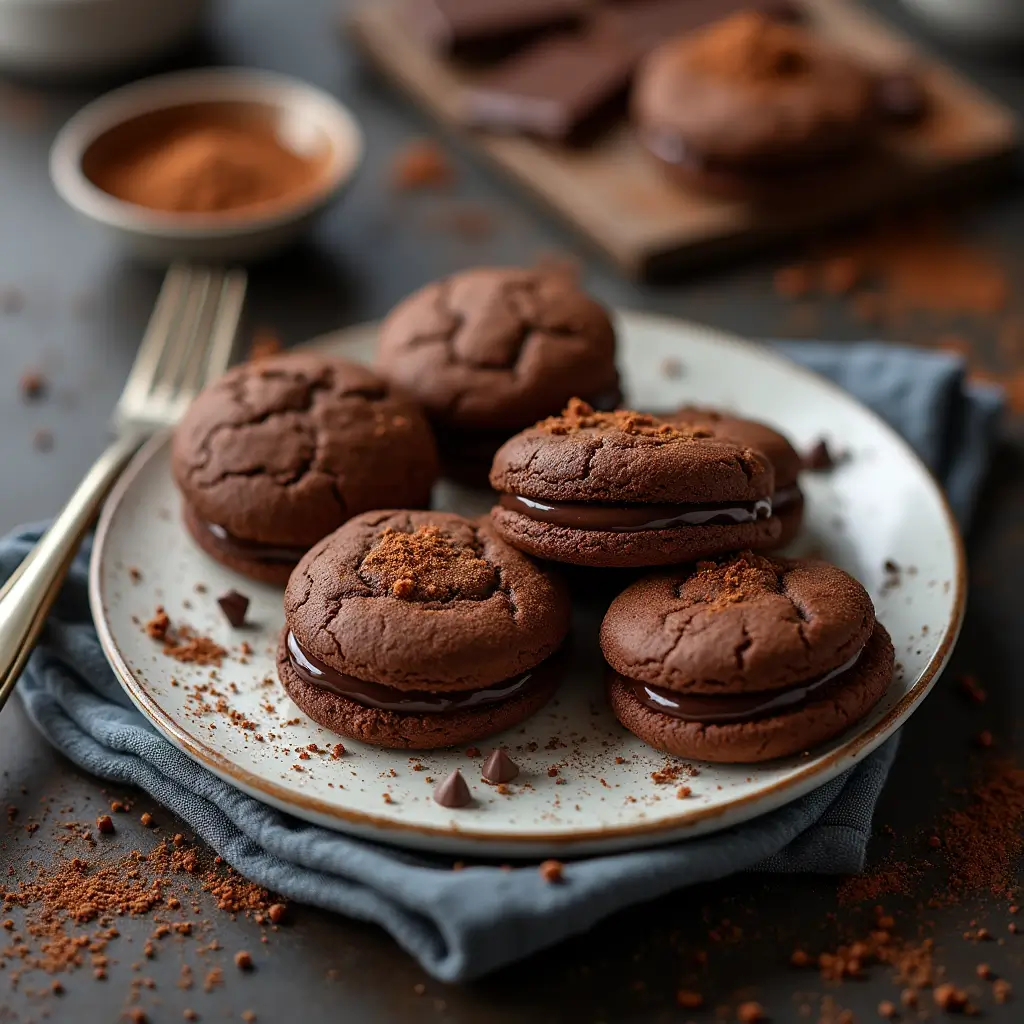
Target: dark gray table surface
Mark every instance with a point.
(84, 308)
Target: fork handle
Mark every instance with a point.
(29, 594)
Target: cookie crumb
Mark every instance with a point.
(886, 1009)
(949, 997)
(750, 1013)
(105, 824)
(689, 999)
(1001, 990)
(552, 871)
(146, 819)
(32, 385)
(277, 912)
(243, 960)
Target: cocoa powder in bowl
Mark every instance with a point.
(210, 158)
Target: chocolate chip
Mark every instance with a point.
(499, 767)
(819, 458)
(234, 606)
(453, 792)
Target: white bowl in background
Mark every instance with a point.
(74, 37)
(307, 119)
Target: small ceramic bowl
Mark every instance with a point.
(303, 118)
(59, 38)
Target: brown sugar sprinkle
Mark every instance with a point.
(421, 163)
(578, 415)
(551, 871)
(425, 565)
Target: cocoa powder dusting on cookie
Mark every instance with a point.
(751, 48)
(426, 565)
(578, 415)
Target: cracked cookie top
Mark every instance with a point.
(785, 459)
(424, 601)
(742, 624)
(498, 348)
(627, 457)
(284, 450)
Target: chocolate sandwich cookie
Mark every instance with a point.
(753, 107)
(418, 630)
(626, 489)
(744, 659)
(279, 452)
(489, 351)
(787, 498)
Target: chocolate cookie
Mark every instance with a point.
(626, 489)
(279, 452)
(788, 498)
(489, 351)
(744, 659)
(753, 107)
(420, 630)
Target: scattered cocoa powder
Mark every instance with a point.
(421, 164)
(182, 643)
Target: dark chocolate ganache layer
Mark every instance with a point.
(420, 702)
(634, 517)
(253, 550)
(716, 709)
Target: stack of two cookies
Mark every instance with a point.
(731, 655)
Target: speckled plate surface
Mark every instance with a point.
(586, 785)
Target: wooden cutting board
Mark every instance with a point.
(616, 197)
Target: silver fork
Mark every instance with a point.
(188, 341)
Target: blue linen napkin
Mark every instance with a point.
(460, 925)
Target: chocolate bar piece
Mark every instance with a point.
(561, 88)
(564, 87)
(482, 29)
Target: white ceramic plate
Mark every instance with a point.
(586, 784)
